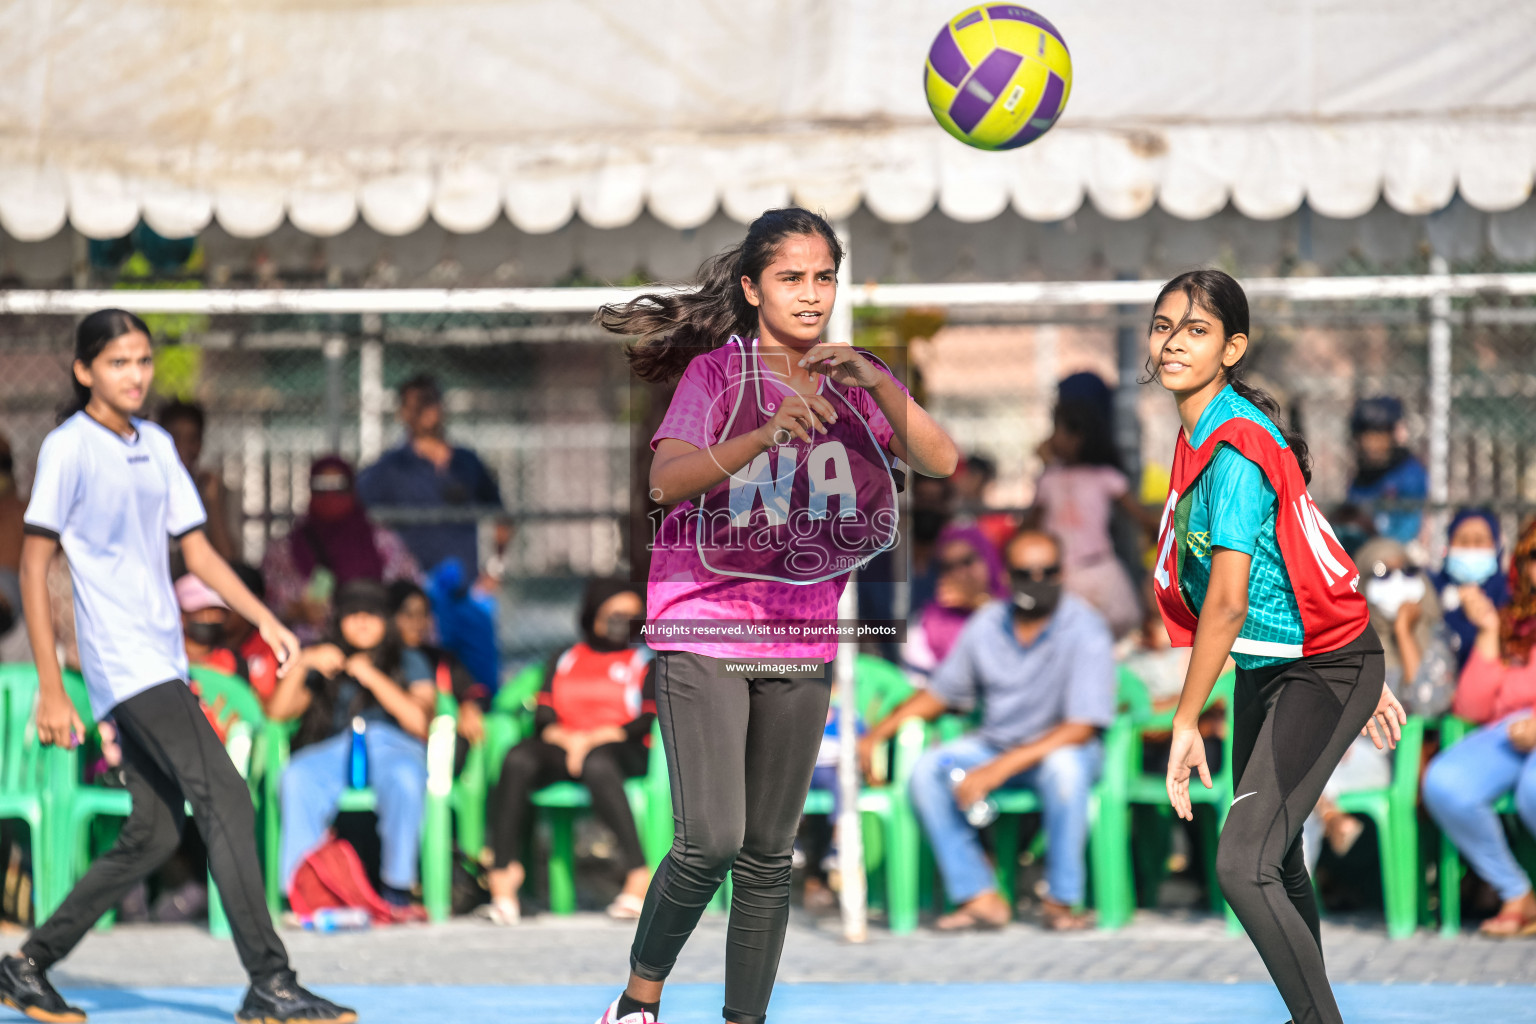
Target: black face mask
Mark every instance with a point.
(1033, 598)
(7, 617)
(206, 634)
(614, 638)
(926, 523)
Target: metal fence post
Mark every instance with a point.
(335, 351)
(1439, 396)
(370, 391)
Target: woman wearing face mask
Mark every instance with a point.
(1498, 691)
(593, 725)
(360, 672)
(1247, 566)
(1471, 564)
(333, 543)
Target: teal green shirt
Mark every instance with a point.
(1232, 505)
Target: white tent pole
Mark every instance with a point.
(1439, 426)
(850, 838)
(890, 296)
(370, 393)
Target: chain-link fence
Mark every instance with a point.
(548, 404)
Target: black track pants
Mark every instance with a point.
(172, 757)
(740, 750)
(534, 764)
(1291, 725)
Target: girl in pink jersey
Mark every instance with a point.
(774, 461)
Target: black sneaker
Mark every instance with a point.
(280, 999)
(24, 986)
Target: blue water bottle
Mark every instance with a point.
(358, 768)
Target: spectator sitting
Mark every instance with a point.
(1498, 692)
(1040, 665)
(1075, 500)
(969, 573)
(426, 472)
(185, 422)
(1385, 471)
(1402, 613)
(204, 621)
(1471, 564)
(593, 724)
(331, 545)
(245, 639)
(413, 621)
(360, 673)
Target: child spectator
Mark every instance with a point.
(412, 615)
(593, 725)
(360, 677)
(1075, 499)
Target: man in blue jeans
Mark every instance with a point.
(1040, 666)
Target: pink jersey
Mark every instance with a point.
(682, 587)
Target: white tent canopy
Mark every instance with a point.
(250, 112)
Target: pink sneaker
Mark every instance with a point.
(611, 1016)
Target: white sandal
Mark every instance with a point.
(626, 907)
(502, 913)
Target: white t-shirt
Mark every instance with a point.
(113, 503)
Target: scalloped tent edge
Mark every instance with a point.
(900, 175)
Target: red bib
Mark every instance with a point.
(1325, 580)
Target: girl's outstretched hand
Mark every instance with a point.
(1185, 757)
(1386, 721)
(843, 363)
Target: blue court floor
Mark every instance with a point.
(1016, 1003)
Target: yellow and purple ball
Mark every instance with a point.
(998, 76)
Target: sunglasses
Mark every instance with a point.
(1038, 574)
(964, 562)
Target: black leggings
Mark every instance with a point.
(172, 756)
(1291, 725)
(534, 764)
(740, 751)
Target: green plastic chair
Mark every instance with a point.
(436, 824)
(1394, 809)
(1123, 783)
(515, 701)
(889, 825)
(1106, 838)
(1452, 867)
(25, 790)
(649, 799)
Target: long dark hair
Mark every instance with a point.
(672, 329)
(95, 333)
(1224, 297)
(1094, 431)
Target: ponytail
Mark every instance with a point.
(1222, 296)
(672, 329)
(95, 333)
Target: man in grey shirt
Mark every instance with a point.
(1040, 666)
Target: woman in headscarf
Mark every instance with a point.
(1472, 558)
(593, 726)
(331, 545)
(969, 572)
(1497, 691)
